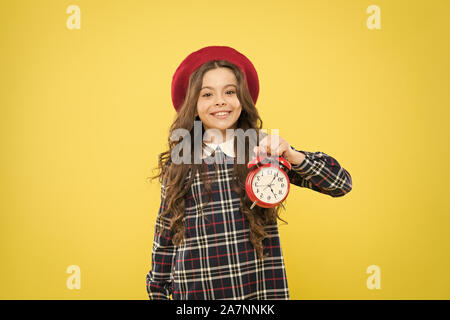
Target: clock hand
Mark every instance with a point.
(272, 191)
(273, 179)
(262, 185)
(281, 203)
(269, 183)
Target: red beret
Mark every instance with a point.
(192, 62)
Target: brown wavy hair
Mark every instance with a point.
(173, 177)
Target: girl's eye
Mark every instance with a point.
(208, 94)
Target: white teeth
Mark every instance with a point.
(221, 113)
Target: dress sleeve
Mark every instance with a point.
(321, 172)
(159, 278)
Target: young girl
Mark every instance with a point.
(208, 243)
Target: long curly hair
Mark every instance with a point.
(173, 177)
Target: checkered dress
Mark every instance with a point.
(217, 259)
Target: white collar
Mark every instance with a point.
(227, 147)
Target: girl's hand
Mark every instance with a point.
(276, 145)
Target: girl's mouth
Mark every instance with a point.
(221, 114)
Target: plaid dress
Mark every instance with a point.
(217, 259)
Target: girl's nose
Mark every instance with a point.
(220, 100)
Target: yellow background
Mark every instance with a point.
(84, 114)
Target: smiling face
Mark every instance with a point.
(218, 105)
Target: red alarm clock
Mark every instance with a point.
(267, 183)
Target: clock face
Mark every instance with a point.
(270, 185)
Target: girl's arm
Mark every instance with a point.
(158, 279)
(321, 172)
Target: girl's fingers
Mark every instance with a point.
(264, 145)
(266, 149)
(259, 149)
(275, 150)
(269, 148)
